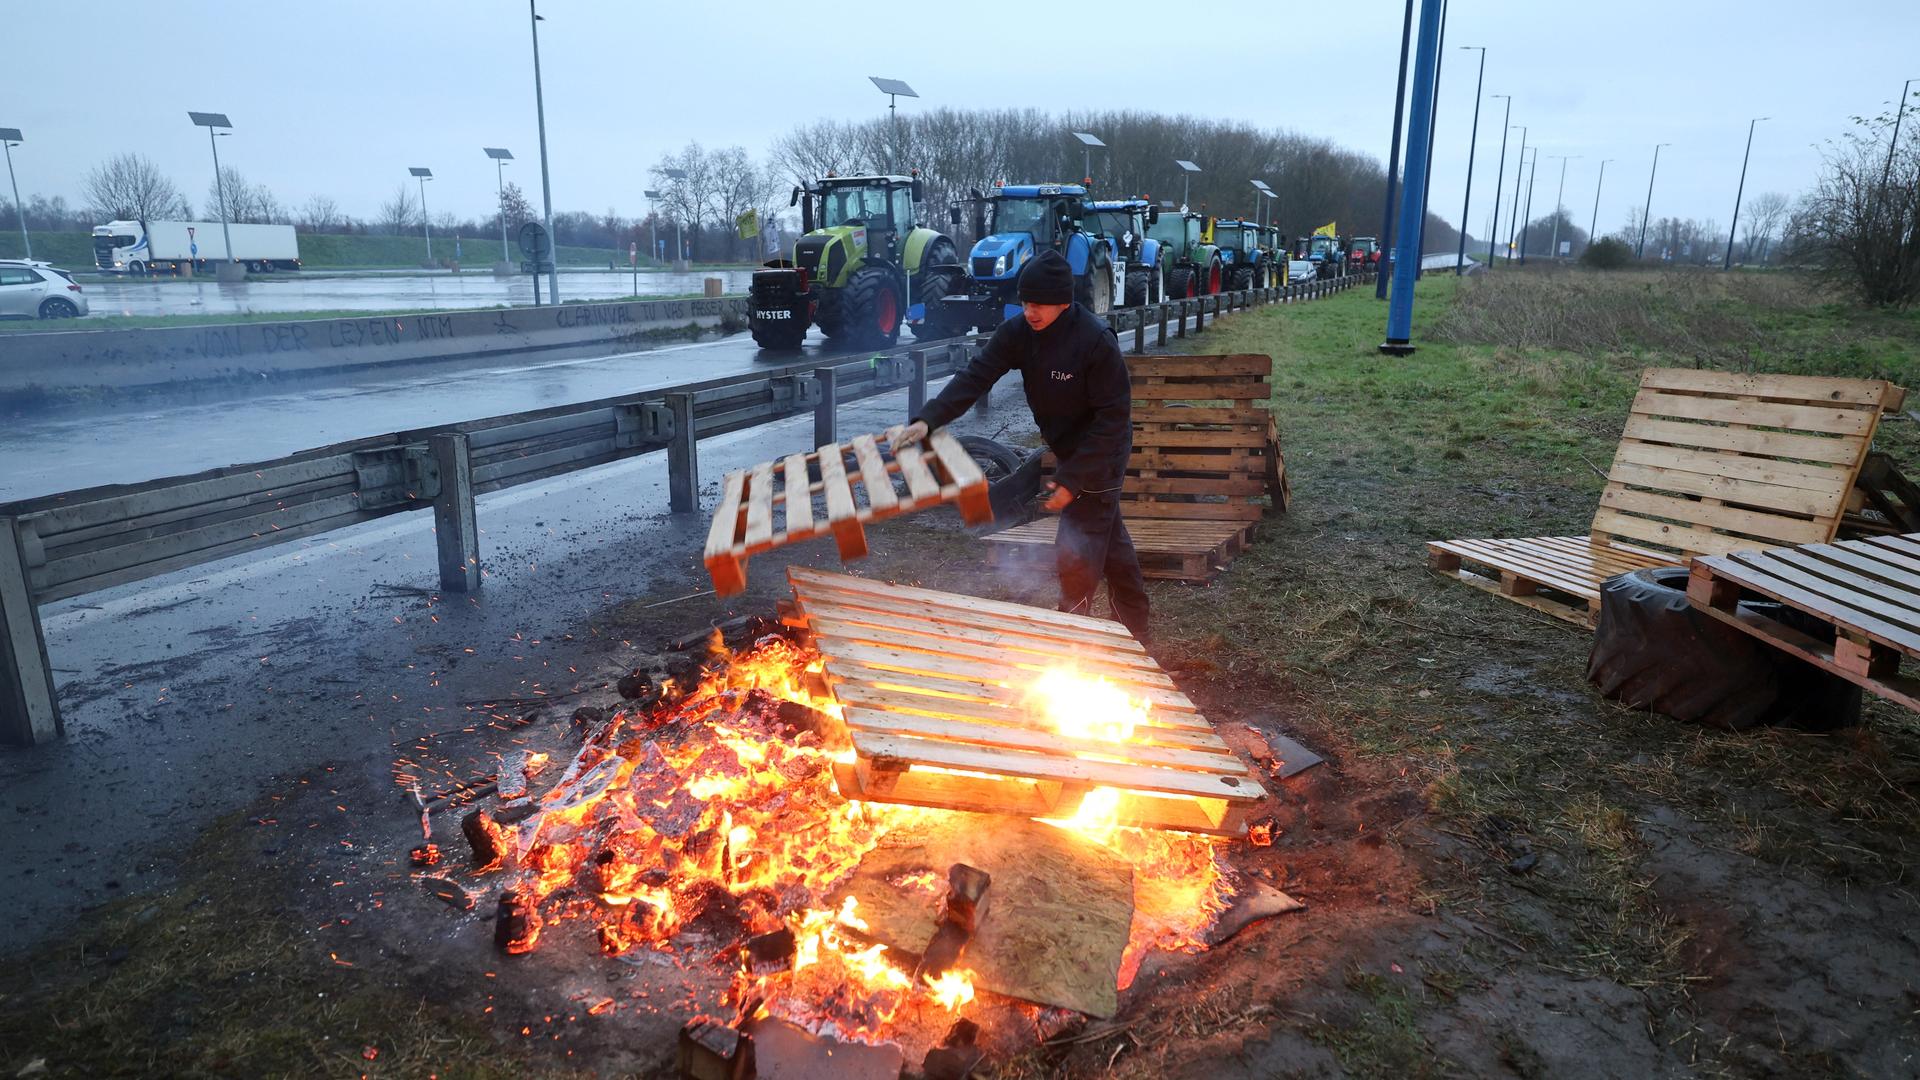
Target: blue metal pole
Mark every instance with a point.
(1393, 154)
(1413, 201)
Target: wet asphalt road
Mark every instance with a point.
(80, 447)
(298, 291)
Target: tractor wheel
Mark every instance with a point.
(872, 307)
(1211, 286)
(1101, 289)
(932, 286)
(1137, 286)
(1180, 285)
(1242, 279)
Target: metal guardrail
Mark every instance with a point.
(58, 546)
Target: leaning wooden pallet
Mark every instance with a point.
(1710, 462)
(858, 482)
(1867, 590)
(1205, 467)
(933, 687)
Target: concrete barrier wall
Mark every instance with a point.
(123, 359)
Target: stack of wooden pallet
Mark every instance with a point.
(1206, 466)
(858, 482)
(933, 688)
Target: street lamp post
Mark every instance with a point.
(1519, 167)
(1473, 142)
(500, 158)
(895, 90)
(653, 218)
(210, 121)
(1594, 222)
(1087, 143)
(10, 138)
(1647, 211)
(1899, 113)
(1533, 177)
(426, 223)
(1499, 177)
(546, 185)
(1433, 126)
(679, 239)
(1559, 204)
(1739, 193)
(1393, 149)
(1188, 168)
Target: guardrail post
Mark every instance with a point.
(454, 531)
(826, 431)
(1139, 331)
(683, 456)
(29, 712)
(1163, 322)
(916, 382)
(1183, 318)
(1200, 313)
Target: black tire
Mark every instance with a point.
(58, 307)
(996, 459)
(933, 285)
(1180, 285)
(1210, 284)
(1652, 650)
(1242, 279)
(1100, 288)
(1137, 282)
(871, 309)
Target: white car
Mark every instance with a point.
(37, 290)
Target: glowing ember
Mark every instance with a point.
(714, 817)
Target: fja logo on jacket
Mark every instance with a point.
(1061, 376)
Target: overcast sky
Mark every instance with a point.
(341, 97)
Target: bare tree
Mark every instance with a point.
(251, 204)
(1765, 214)
(398, 214)
(690, 199)
(1861, 228)
(131, 187)
(321, 214)
(514, 206)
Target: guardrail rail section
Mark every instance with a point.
(54, 547)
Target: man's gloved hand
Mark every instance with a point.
(907, 434)
(1057, 497)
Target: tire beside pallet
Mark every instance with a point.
(1653, 651)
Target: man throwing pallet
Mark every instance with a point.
(1076, 384)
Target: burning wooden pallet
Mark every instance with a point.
(935, 691)
(858, 482)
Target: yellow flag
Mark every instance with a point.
(748, 224)
(1328, 229)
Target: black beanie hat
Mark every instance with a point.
(1047, 280)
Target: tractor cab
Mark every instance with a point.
(1239, 240)
(850, 219)
(1022, 220)
(1124, 222)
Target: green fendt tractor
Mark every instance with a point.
(1194, 267)
(861, 269)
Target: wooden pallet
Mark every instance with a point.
(865, 480)
(1710, 462)
(1205, 468)
(1884, 501)
(1169, 549)
(1867, 590)
(931, 685)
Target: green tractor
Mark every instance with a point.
(1194, 267)
(859, 272)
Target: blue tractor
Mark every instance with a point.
(1124, 223)
(1016, 223)
(1245, 261)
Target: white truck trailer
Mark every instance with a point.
(166, 247)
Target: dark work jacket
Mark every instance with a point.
(1076, 384)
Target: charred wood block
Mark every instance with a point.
(516, 926)
(797, 718)
(634, 684)
(711, 1050)
(943, 951)
(516, 812)
(588, 717)
(964, 1032)
(477, 827)
(770, 953)
(952, 1062)
(966, 887)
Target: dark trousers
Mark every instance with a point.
(1093, 543)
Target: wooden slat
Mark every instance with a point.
(954, 457)
(1686, 539)
(1870, 587)
(802, 576)
(876, 608)
(968, 667)
(913, 468)
(1049, 767)
(1745, 492)
(1811, 389)
(1901, 545)
(877, 690)
(1226, 391)
(908, 633)
(798, 491)
(1836, 450)
(951, 655)
(1777, 527)
(1891, 571)
(721, 535)
(833, 475)
(1763, 470)
(1176, 366)
(873, 474)
(760, 506)
(1170, 709)
(1177, 414)
(1528, 567)
(1758, 413)
(1024, 737)
(1246, 437)
(1757, 571)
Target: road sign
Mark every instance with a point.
(528, 266)
(633, 254)
(193, 248)
(533, 242)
